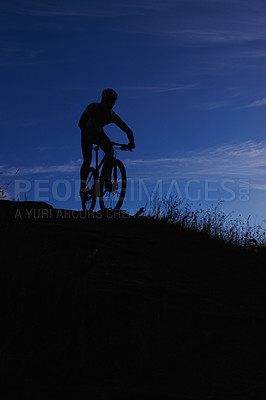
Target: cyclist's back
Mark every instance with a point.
(96, 116)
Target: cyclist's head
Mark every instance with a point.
(109, 97)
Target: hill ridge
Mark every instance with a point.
(127, 308)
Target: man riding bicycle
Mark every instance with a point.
(91, 123)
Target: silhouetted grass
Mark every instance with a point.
(3, 190)
(211, 221)
(2, 194)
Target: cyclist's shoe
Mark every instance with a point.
(109, 186)
(85, 193)
(114, 186)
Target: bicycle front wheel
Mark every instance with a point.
(113, 198)
(88, 200)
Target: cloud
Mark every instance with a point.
(16, 53)
(246, 160)
(41, 149)
(83, 8)
(153, 89)
(251, 54)
(196, 36)
(152, 5)
(145, 89)
(71, 12)
(214, 105)
(257, 103)
(69, 167)
(201, 23)
(67, 9)
(219, 36)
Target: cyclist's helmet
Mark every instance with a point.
(109, 93)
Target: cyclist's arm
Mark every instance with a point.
(121, 124)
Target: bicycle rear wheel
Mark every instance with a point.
(88, 201)
(113, 199)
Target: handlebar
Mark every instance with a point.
(122, 146)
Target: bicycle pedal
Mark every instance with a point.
(83, 194)
(114, 186)
(109, 188)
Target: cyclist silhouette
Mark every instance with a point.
(91, 123)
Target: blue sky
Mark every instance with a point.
(190, 75)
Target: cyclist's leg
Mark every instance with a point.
(86, 147)
(106, 145)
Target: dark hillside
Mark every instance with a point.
(116, 307)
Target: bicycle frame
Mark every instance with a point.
(98, 166)
(97, 148)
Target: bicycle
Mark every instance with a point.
(96, 182)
